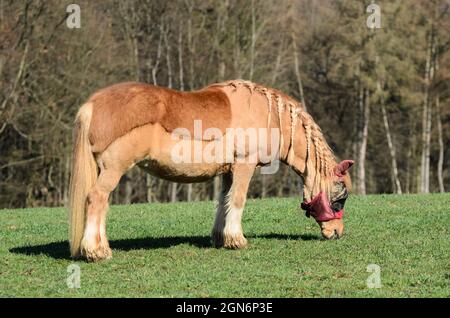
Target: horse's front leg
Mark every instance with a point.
(227, 231)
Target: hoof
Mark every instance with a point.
(98, 253)
(235, 242)
(230, 241)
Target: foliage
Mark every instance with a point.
(47, 70)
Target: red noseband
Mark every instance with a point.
(319, 208)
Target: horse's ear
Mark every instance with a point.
(342, 167)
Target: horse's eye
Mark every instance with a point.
(338, 205)
(339, 201)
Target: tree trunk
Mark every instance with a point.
(411, 159)
(426, 118)
(427, 151)
(276, 70)
(263, 186)
(168, 61)
(68, 162)
(155, 67)
(297, 73)
(189, 192)
(148, 183)
(180, 57)
(191, 48)
(216, 188)
(237, 54)
(363, 133)
(173, 192)
(396, 181)
(128, 188)
(253, 43)
(441, 148)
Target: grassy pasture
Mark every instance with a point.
(163, 250)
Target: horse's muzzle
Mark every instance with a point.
(333, 229)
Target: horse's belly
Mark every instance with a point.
(182, 172)
(176, 160)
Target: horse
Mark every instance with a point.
(136, 124)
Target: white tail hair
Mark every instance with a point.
(83, 178)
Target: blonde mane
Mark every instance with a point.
(320, 160)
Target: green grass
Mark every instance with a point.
(163, 250)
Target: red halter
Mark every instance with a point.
(319, 207)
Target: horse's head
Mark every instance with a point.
(329, 212)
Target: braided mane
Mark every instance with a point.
(320, 161)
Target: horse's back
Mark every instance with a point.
(119, 108)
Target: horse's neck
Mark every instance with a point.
(314, 167)
(290, 117)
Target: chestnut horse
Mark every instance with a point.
(130, 124)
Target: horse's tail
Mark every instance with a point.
(84, 175)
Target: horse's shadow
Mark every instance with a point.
(59, 250)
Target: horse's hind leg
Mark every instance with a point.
(94, 245)
(219, 224)
(227, 231)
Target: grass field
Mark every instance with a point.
(163, 250)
